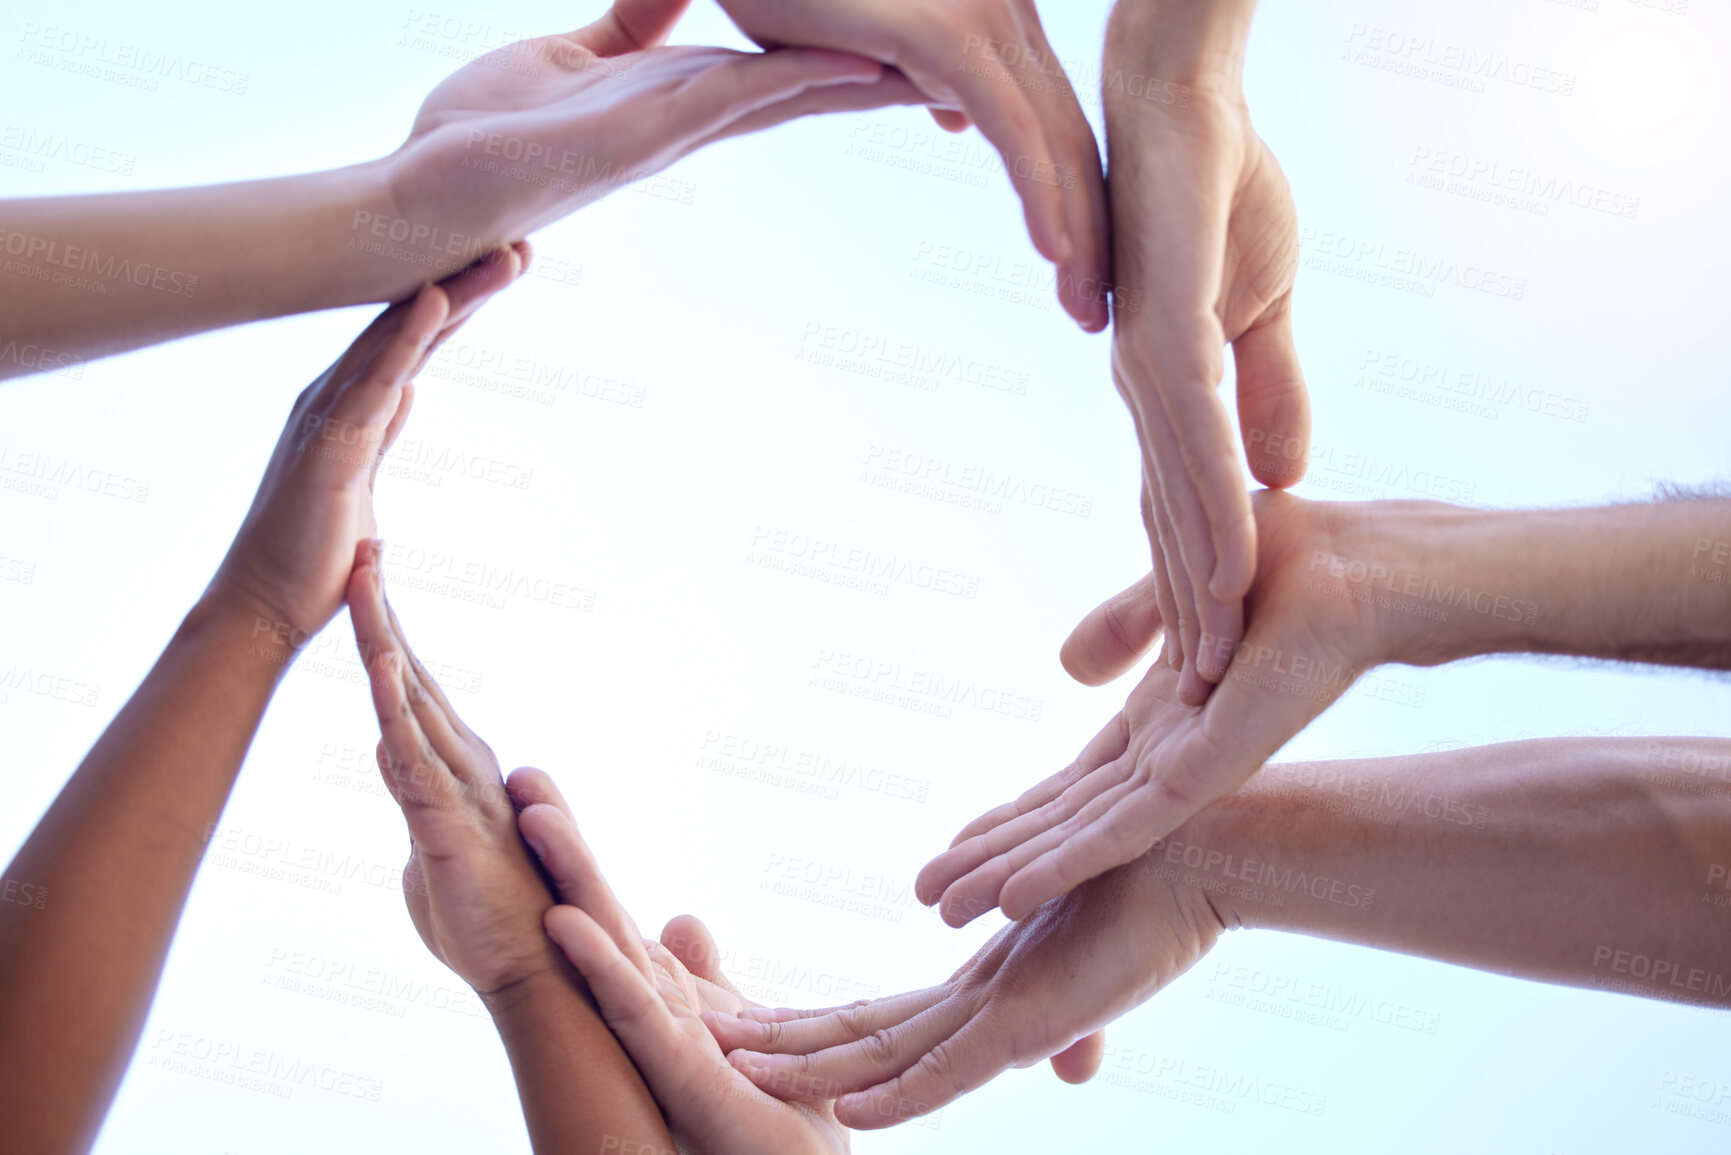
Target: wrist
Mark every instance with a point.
(529, 997)
(1196, 43)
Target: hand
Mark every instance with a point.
(1206, 245)
(529, 133)
(290, 562)
(472, 887)
(1041, 987)
(655, 998)
(986, 62)
(1317, 626)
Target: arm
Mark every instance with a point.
(477, 900)
(116, 852)
(1342, 588)
(494, 154)
(1205, 244)
(1560, 860)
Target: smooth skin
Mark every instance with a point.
(657, 996)
(116, 852)
(1344, 588)
(1558, 860)
(506, 145)
(477, 898)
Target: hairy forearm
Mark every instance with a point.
(1592, 862)
(114, 858)
(1639, 583)
(579, 1091)
(88, 276)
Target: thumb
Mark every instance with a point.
(1113, 635)
(631, 26)
(694, 947)
(1273, 406)
(1081, 1060)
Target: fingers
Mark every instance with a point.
(473, 286)
(631, 26)
(889, 90)
(951, 120)
(412, 770)
(577, 877)
(364, 398)
(626, 994)
(1114, 635)
(1273, 406)
(811, 1060)
(528, 785)
(981, 1048)
(694, 947)
(738, 85)
(1081, 1061)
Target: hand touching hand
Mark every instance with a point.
(290, 562)
(985, 61)
(472, 887)
(1206, 245)
(1316, 627)
(531, 132)
(1041, 987)
(656, 996)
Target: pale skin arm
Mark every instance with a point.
(115, 855)
(494, 154)
(1587, 862)
(1341, 589)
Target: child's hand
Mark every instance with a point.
(290, 562)
(653, 996)
(472, 887)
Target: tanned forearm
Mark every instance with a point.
(1636, 583)
(1591, 862)
(113, 860)
(88, 276)
(580, 1093)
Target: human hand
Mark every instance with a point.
(290, 562)
(656, 997)
(986, 62)
(471, 885)
(1321, 617)
(1041, 987)
(1206, 244)
(531, 132)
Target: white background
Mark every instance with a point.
(700, 294)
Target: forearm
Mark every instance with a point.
(89, 276)
(114, 858)
(1197, 42)
(579, 1091)
(1641, 583)
(1591, 862)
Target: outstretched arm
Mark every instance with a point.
(504, 146)
(109, 866)
(1581, 861)
(1342, 588)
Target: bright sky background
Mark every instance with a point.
(699, 299)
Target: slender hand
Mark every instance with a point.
(478, 899)
(1576, 861)
(507, 144)
(109, 866)
(1342, 588)
(1206, 247)
(985, 62)
(656, 997)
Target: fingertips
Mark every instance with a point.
(694, 947)
(1081, 1060)
(529, 786)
